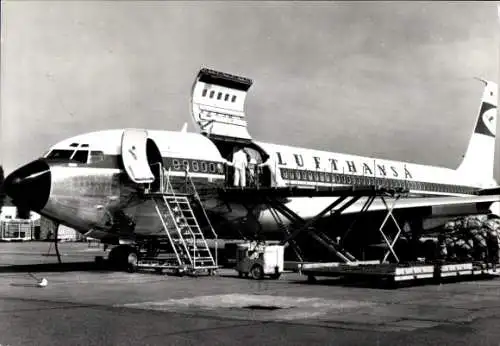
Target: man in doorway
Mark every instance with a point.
(240, 164)
(272, 165)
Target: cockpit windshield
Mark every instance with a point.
(78, 155)
(60, 154)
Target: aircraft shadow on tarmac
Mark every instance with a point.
(345, 282)
(24, 285)
(54, 267)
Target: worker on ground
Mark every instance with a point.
(240, 164)
(272, 165)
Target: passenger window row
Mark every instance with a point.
(219, 95)
(323, 177)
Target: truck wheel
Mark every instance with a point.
(132, 260)
(257, 272)
(122, 257)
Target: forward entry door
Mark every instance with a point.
(134, 156)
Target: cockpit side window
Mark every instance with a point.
(81, 156)
(96, 156)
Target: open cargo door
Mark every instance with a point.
(134, 156)
(218, 105)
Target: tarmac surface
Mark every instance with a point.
(85, 306)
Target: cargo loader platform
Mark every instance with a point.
(275, 200)
(399, 272)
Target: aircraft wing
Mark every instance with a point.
(488, 192)
(312, 206)
(409, 203)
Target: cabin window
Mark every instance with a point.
(212, 94)
(73, 145)
(204, 92)
(195, 166)
(233, 98)
(226, 97)
(96, 156)
(81, 156)
(284, 173)
(219, 95)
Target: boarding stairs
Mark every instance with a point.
(187, 249)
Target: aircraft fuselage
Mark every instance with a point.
(87, 196)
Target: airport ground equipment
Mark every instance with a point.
(259, 259)
(481, 260)
(274, 198)
(466, 247)
(183, 247)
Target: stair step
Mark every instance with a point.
(203, 258)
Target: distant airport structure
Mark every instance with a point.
(13, 228)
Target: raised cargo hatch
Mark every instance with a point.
(218, 105)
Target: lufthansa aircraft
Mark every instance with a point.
(93, 181)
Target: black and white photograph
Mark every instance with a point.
(249, 172)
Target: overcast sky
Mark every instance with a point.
(392, 80)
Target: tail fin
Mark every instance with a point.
(478, 161)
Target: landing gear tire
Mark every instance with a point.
(99, 261)
(257, 272)
(275, 276)
(123, 257)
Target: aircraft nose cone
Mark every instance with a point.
(29, 186)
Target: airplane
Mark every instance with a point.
(94, 181)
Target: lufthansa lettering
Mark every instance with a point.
(336, 165)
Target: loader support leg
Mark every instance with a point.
(308, 224)
(389, 243)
